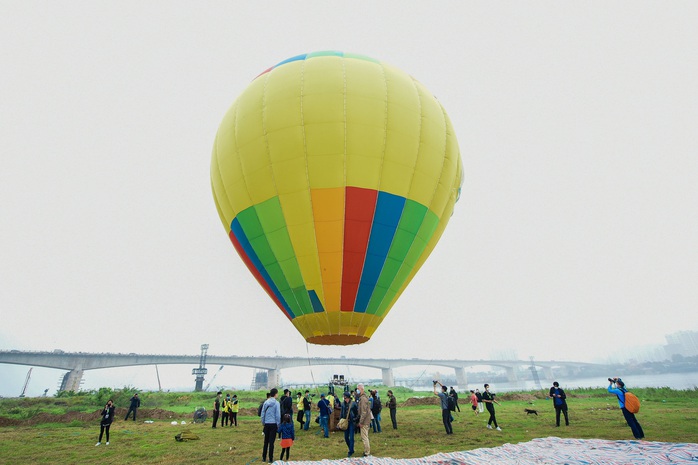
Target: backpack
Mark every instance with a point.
(632, 403)
(186, 436)
(377, 405)
(451, 404)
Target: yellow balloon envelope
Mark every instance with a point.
(335, 176)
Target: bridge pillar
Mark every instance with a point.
(272, 378)
(388, 379)
(548, 371)
(461, 378)
(72, 380)
(511, 374)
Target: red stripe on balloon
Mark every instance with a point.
(360, 206)
(257, 275)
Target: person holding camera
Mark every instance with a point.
(489, 400)
(105, 423)
(445, 411)
(559, 402)
(617, 386)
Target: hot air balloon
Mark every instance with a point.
(335, 175)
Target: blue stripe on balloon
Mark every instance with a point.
(239, 233)
(288, 60)
(315, 300)
(389, 209)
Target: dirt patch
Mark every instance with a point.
(120, 413)
(421, 401)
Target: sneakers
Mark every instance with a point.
(498, 428)
(489, 426)
(98, 444)
(107, 442)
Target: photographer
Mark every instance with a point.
(559, 402)
(105, 423)
(617, 386)
(489, 400)
(445, 412)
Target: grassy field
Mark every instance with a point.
(65, 429)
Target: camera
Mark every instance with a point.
(610, 380)
(435, 382)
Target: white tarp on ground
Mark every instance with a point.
(547, 451)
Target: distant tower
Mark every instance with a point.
(534, 373)
(202, 370)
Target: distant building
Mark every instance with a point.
(684, 343)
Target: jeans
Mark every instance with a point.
(446, 417)
(324, 419)
(634, 424)
(376, 423)
(349, 438)
(307, 419)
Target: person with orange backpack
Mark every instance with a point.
(629, 405)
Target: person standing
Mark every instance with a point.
(350, 411)
(234, 409)
(474, 401)
(225, 410)
(489, 400)
(107, 416)
(300, 418)
(306, 409)
(287, 435)
(452, 392)
(286, 404)
(376, 408)
(392, 407)
(445, 412)
(216, 408)
(559, 402)
(330, 418)
(480, 404)
(271, 420)
(135, 403)
(364, 418)
(617, 386)
(324, 406)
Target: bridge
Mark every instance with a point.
(76, 363)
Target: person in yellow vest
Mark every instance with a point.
(300, 418)
(225, 410)
(330, 398)
(234, 409)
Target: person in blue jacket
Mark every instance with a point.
(287, 435)
(617, 387)
(271, 420)
(559, 402)
(324, 406)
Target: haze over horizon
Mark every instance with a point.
(574, 237)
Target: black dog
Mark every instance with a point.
(531, 411)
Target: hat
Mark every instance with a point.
(322, 394)
(347, 394)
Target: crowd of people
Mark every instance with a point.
(359, 411)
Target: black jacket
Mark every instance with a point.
(108, 415)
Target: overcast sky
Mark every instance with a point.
(576, 232)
